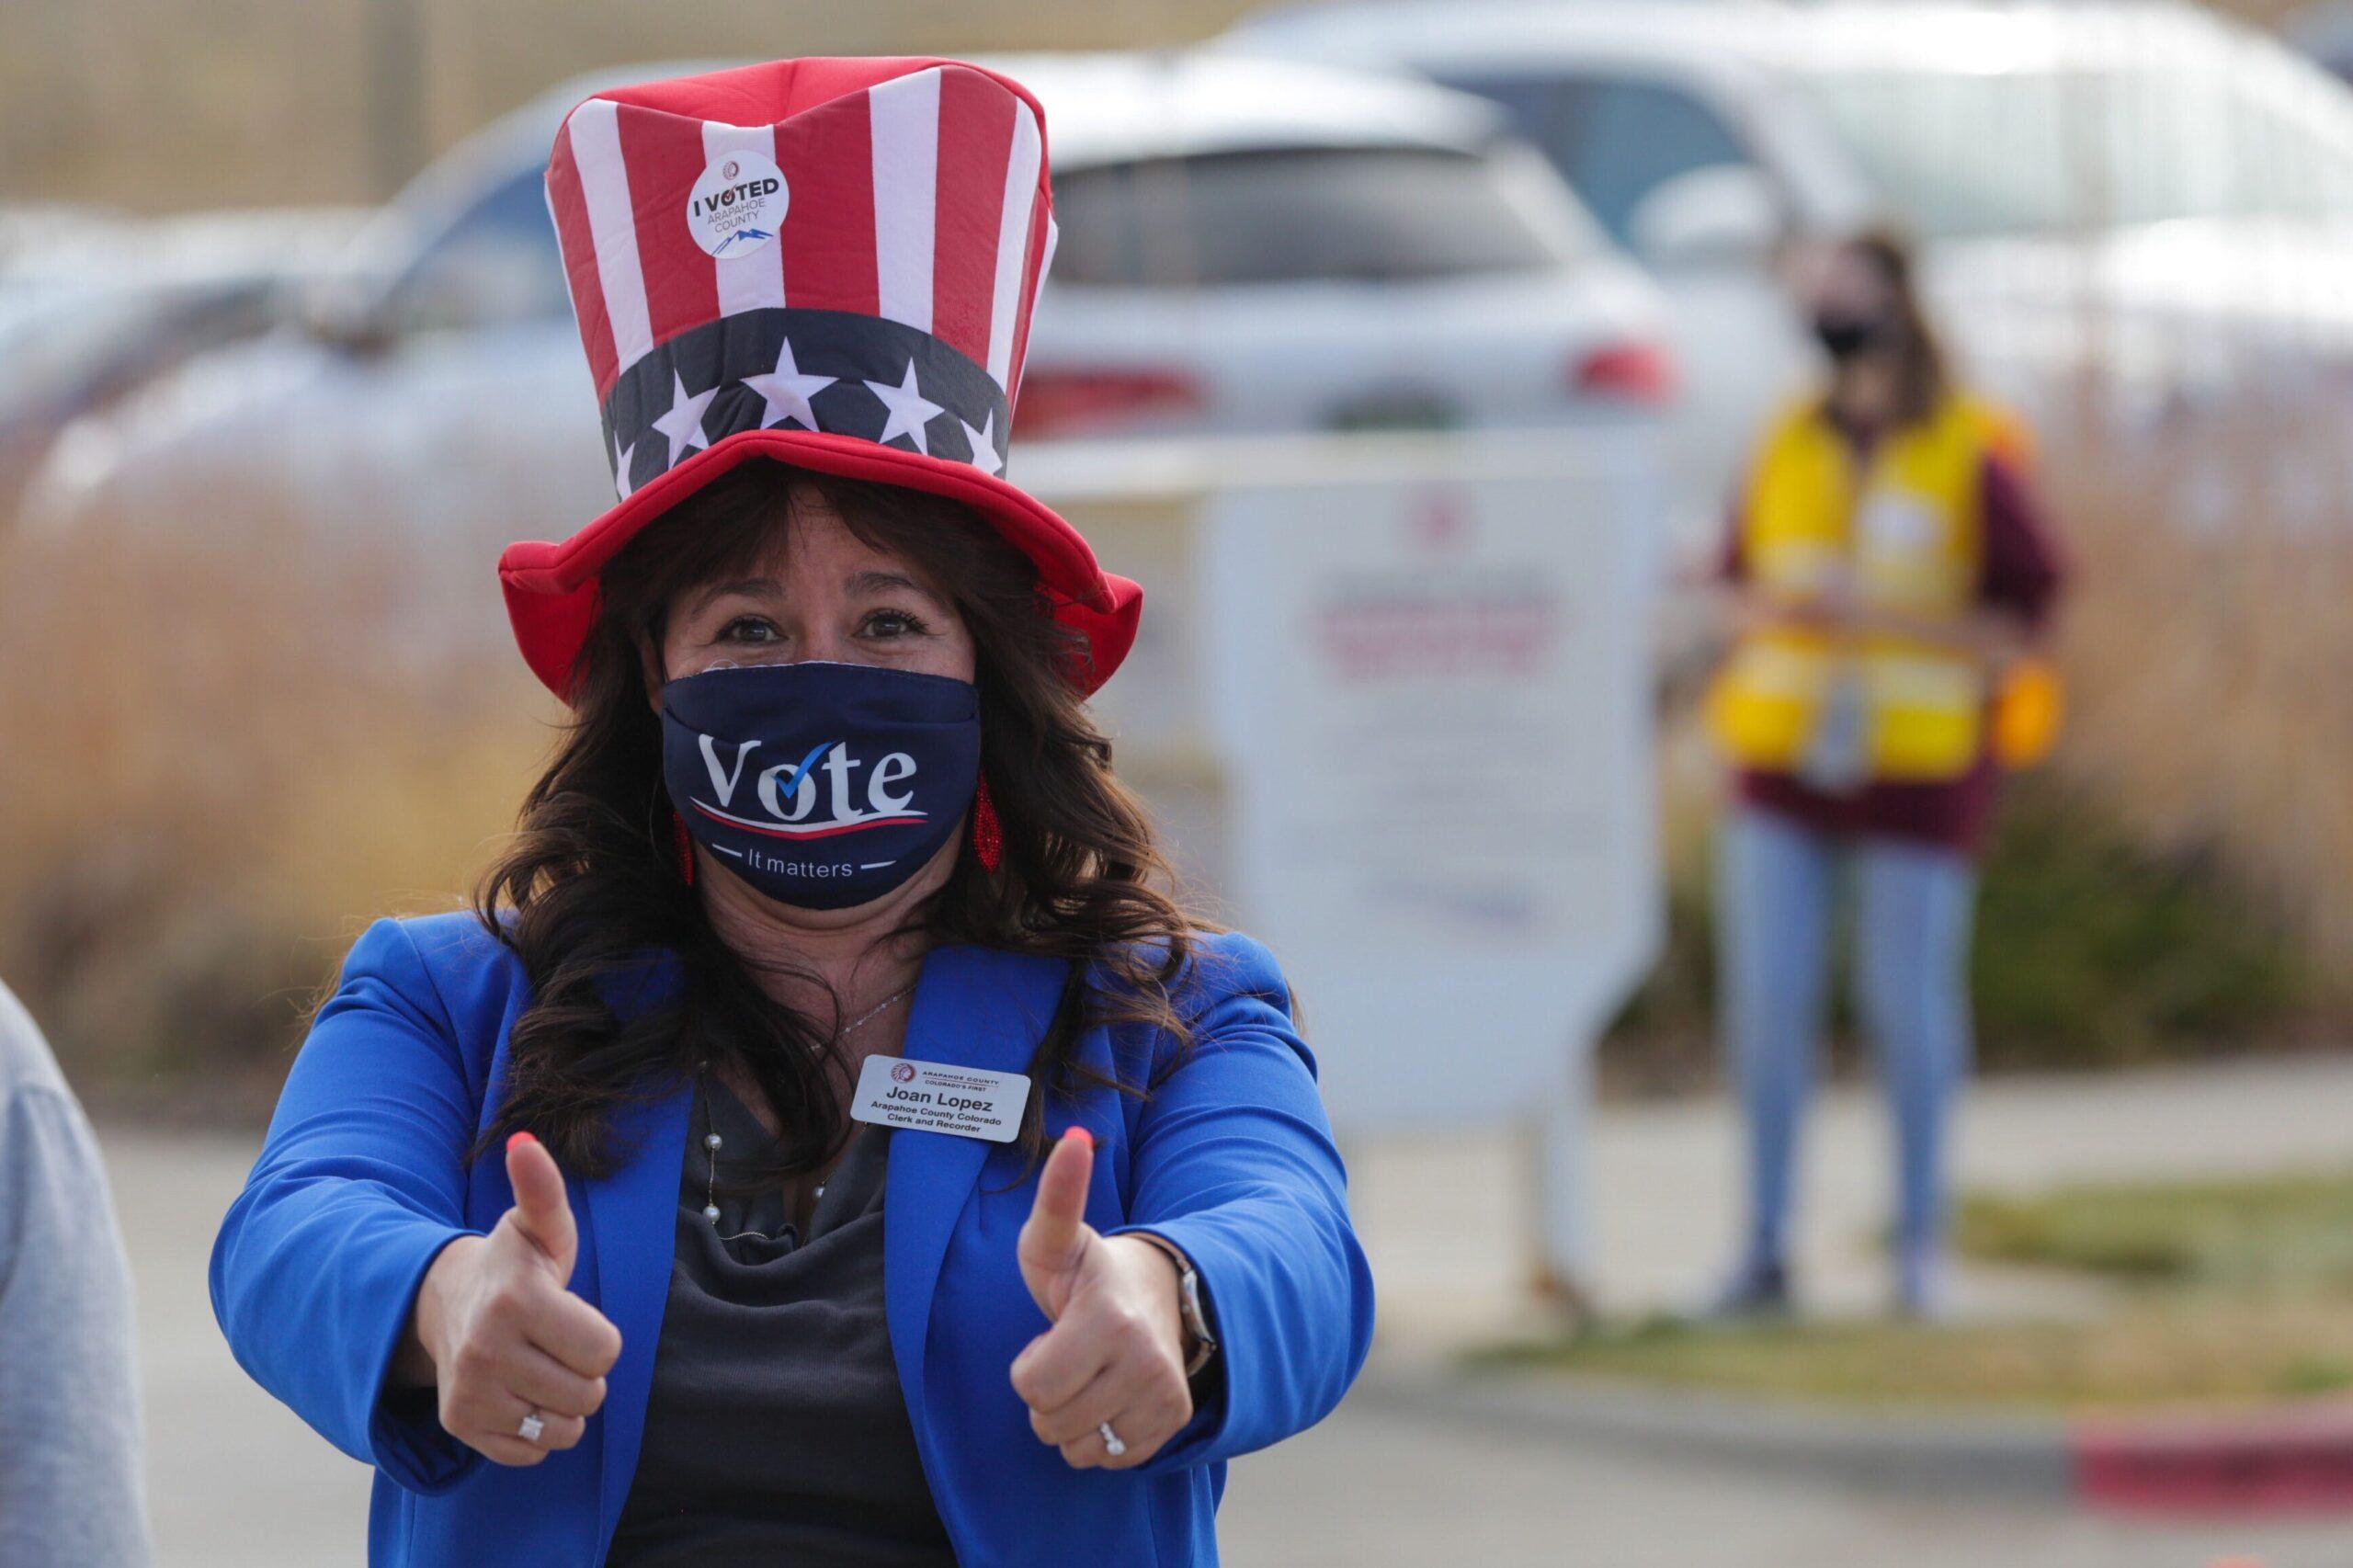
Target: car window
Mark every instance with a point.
(1961, 153)
(1615, 140)
(41, 351)
(497, 261)
(1294, 214)
(2046, 152)
(2293, 138)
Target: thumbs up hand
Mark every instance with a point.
(502, 1334)
(1115, 1352)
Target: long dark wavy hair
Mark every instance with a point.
(590, 887)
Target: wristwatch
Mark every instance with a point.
(1189, 1303)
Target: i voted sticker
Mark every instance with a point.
(738, 204)
(934, 1096)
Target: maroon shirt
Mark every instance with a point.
(2021, 572)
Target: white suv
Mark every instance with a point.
(2146, 187)
(1245, 246)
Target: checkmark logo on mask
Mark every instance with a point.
(800, 772)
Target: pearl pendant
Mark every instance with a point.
(711, 1140)
(711, 1213)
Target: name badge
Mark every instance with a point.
(970, 1102)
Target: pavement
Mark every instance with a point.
(1386, 1483)
(1411, 1470)
(1447, 1216)
(1667, 1179)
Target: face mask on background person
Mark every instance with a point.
(1844, 334)
(823, 785)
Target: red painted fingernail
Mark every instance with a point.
(520, 1138)
(1081, 1133)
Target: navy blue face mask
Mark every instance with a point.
(822, 785)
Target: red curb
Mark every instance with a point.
(2299, 1459)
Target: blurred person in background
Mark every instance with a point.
(824, 1141)
(70, 1455)
(1891, 572)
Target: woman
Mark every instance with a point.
(823, 1142)
(1890, 570)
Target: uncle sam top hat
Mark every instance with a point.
(828, 261)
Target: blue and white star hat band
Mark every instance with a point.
(784, 368)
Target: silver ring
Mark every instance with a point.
(529, 1429)
(1111, 1444)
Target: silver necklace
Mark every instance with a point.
(711, 1140)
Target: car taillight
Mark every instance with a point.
(1637, 372)
(1061, 403)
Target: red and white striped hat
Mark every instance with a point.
(828, 261)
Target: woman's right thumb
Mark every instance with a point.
(541, 1212)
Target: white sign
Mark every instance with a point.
(1431, 701)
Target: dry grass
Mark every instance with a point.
(2238, 1294)
(2289, 1230)
(2210, 657)
(2192, 1351)
(229, 747)
(224, 755)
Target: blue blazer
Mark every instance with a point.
(362, 1180)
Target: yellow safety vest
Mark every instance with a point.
(1908, 532)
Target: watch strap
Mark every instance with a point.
(1197, 1323)
(1189, 1302)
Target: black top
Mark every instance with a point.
(776, 1430)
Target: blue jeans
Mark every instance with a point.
(1775, 889)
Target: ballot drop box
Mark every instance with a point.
(1392, 702)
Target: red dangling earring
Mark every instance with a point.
(685, 844)
(988, 838)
